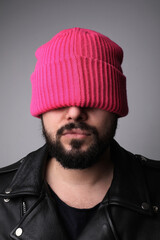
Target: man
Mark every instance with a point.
(81, 184)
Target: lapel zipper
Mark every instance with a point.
(24, 208)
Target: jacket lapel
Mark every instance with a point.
(129, 187)
(41, 222)
(128, 190)
(99, 227)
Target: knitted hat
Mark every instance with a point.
(79, 67)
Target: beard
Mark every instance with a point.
(77, 158)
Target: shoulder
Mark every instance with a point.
(148, 167)
(14, 167)
(151, 170)
(11, 168)
(7, 173)
(147, 163)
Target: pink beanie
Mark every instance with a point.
(79, 67)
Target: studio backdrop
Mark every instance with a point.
(26, 25)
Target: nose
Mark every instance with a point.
(76, 114)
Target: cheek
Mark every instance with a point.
(105, 125)
(49, 128)
(50, 121)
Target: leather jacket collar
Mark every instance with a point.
(128, 188)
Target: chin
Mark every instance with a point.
(76, 146)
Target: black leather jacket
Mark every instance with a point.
(129, 211)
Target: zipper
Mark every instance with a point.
(24, 207)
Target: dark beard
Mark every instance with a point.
(76, 158)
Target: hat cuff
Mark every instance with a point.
(78, 81)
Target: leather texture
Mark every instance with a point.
(129, 211)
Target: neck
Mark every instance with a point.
(94, 180)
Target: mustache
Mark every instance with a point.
(80, 125)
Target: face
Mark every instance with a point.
(77, 137)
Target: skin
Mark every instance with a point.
(79, 188)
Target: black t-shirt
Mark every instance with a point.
(73, 219)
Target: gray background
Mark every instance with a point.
(27, 24)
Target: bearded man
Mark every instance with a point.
(81, 184)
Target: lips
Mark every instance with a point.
(77, 132)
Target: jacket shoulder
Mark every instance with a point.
(151, 169)
(148, 163)
(14, 167)
(7, 173)
(11, 168)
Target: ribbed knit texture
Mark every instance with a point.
(79, 67)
